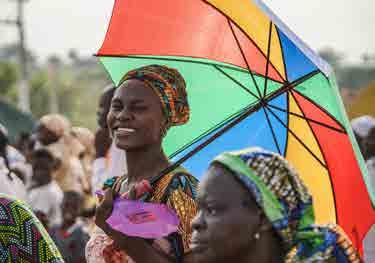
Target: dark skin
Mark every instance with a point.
(71, 208)
(43, 167)
(104, 106)
(227, 222)
(45, 136)
(368, 145)
(135, 121)
(103, 140)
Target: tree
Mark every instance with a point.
(8, 78)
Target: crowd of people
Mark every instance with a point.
(251, 206)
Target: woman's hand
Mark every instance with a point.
(104, 209)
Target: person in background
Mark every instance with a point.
(44, 194)
(11, 162)
(253, 207)
(71, 236)
(54, 134)
(361, 127)
(109, 160)
(86, 138)
(50, 129)
(29, 241)
(368, 146)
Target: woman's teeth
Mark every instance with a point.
(124, 131)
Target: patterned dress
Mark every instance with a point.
(22, 236)
(176, 189)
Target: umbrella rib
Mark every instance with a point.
(241, 117)
(244, 57)
(268, 59)
(282, 52)
(290, 93)
(243, 31)
(272, 131)
(307, 118)
(226, 65)
(289, 86)
(211, 130)
(297, 138)
(245, 113)
(236, 81)
(321, 108)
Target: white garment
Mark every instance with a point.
(370, 163)
(369, 242)
(47, 199)
(104, 168)
(362, 125)
(11, 186)
(369, 246)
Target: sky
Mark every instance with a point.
(54, 27)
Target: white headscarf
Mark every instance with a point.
(362, 125)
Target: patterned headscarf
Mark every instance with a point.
(287, 204)
(170, 87)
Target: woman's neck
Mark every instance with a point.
(267, 249)
(145, 163)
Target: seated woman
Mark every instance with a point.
(22, 236)
(148, 101)
(253, 207)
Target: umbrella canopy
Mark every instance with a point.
(251, 82)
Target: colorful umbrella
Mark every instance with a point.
(251, 82)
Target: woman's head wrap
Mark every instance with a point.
(286, 202)
(170, 87)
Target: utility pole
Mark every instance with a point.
(23, 86)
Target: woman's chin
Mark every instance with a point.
(126, 145)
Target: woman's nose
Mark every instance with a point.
(124, 115)
(198, 222)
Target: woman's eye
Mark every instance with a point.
(211, 211)
(138, 108)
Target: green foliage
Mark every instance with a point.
(39, 94)
(8, 78)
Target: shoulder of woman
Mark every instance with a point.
(182, 180)
(110, 182)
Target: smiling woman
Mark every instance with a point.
(147, 103)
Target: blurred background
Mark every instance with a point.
(47, 63)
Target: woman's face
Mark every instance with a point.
(135, 118)
(46, 136)
(227, 219)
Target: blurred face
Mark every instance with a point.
(71, 208)
(368, 144)
(135, 117)
(103, 108)
(42, 170)
(3, 141)
(224, 227)
(45, 136)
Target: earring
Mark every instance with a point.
(256, 236)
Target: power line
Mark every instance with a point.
(23, 87)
